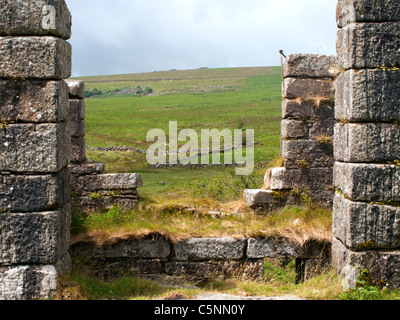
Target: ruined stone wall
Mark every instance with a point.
(307, 136)
(91, 189)
(34, 147)
(199, 258)
(366, 212)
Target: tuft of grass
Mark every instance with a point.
(80, 286)
(183, 221)
(325, 140)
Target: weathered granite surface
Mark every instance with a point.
(34, 193)
(383, 266)
(352, 11)
(199, 249)
(308, 66)
(300, 110)
(91, 183)
(33, 101)
(26, 17)
(281, 248)
(35, 58)
(363, 225)
(360, 95)
(315, 179)
(306, 154)
(369, 45)
(297, 129)
(34, 238)
(307, 88)
(368, 182)
(27, 282)
(34, 148)
(367, 142)
(148, 248)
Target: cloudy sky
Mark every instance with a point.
(130, 36)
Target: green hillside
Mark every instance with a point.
(232, 98)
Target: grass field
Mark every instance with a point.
(231, 98)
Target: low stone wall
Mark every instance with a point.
(307, 137)
(198, 258)
(91, 189)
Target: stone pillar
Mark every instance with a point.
(34, 147)
(307, 136)
(366, 214)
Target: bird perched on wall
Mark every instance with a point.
(282, 54)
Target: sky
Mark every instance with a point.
(133, 36)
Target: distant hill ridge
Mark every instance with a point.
(202, 73)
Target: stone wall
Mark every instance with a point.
(34, 147)
(307, 137)
(91, 189)
(367, 142)
(198, 259)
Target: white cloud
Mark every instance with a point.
(122, 36)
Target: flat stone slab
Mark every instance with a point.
(362, 225)
(34, 238)
(34, 148)
(39, 17)
(281, 248)
(352, 11)
(76, 89)
(157, 248)
(317, 180)
(249, 270)
(259, 198)
(35, 58)
(88, 168)
(368, 182)
(369, 45)
(33, 101)
(296, 129)
(308, 66)
(307, 88)
(368, 142)
(306, 154)
(383, 266)
(28, 282)
(120, 181)
(368, 96)
(30, 193)
(300, 110)
(200, 249)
